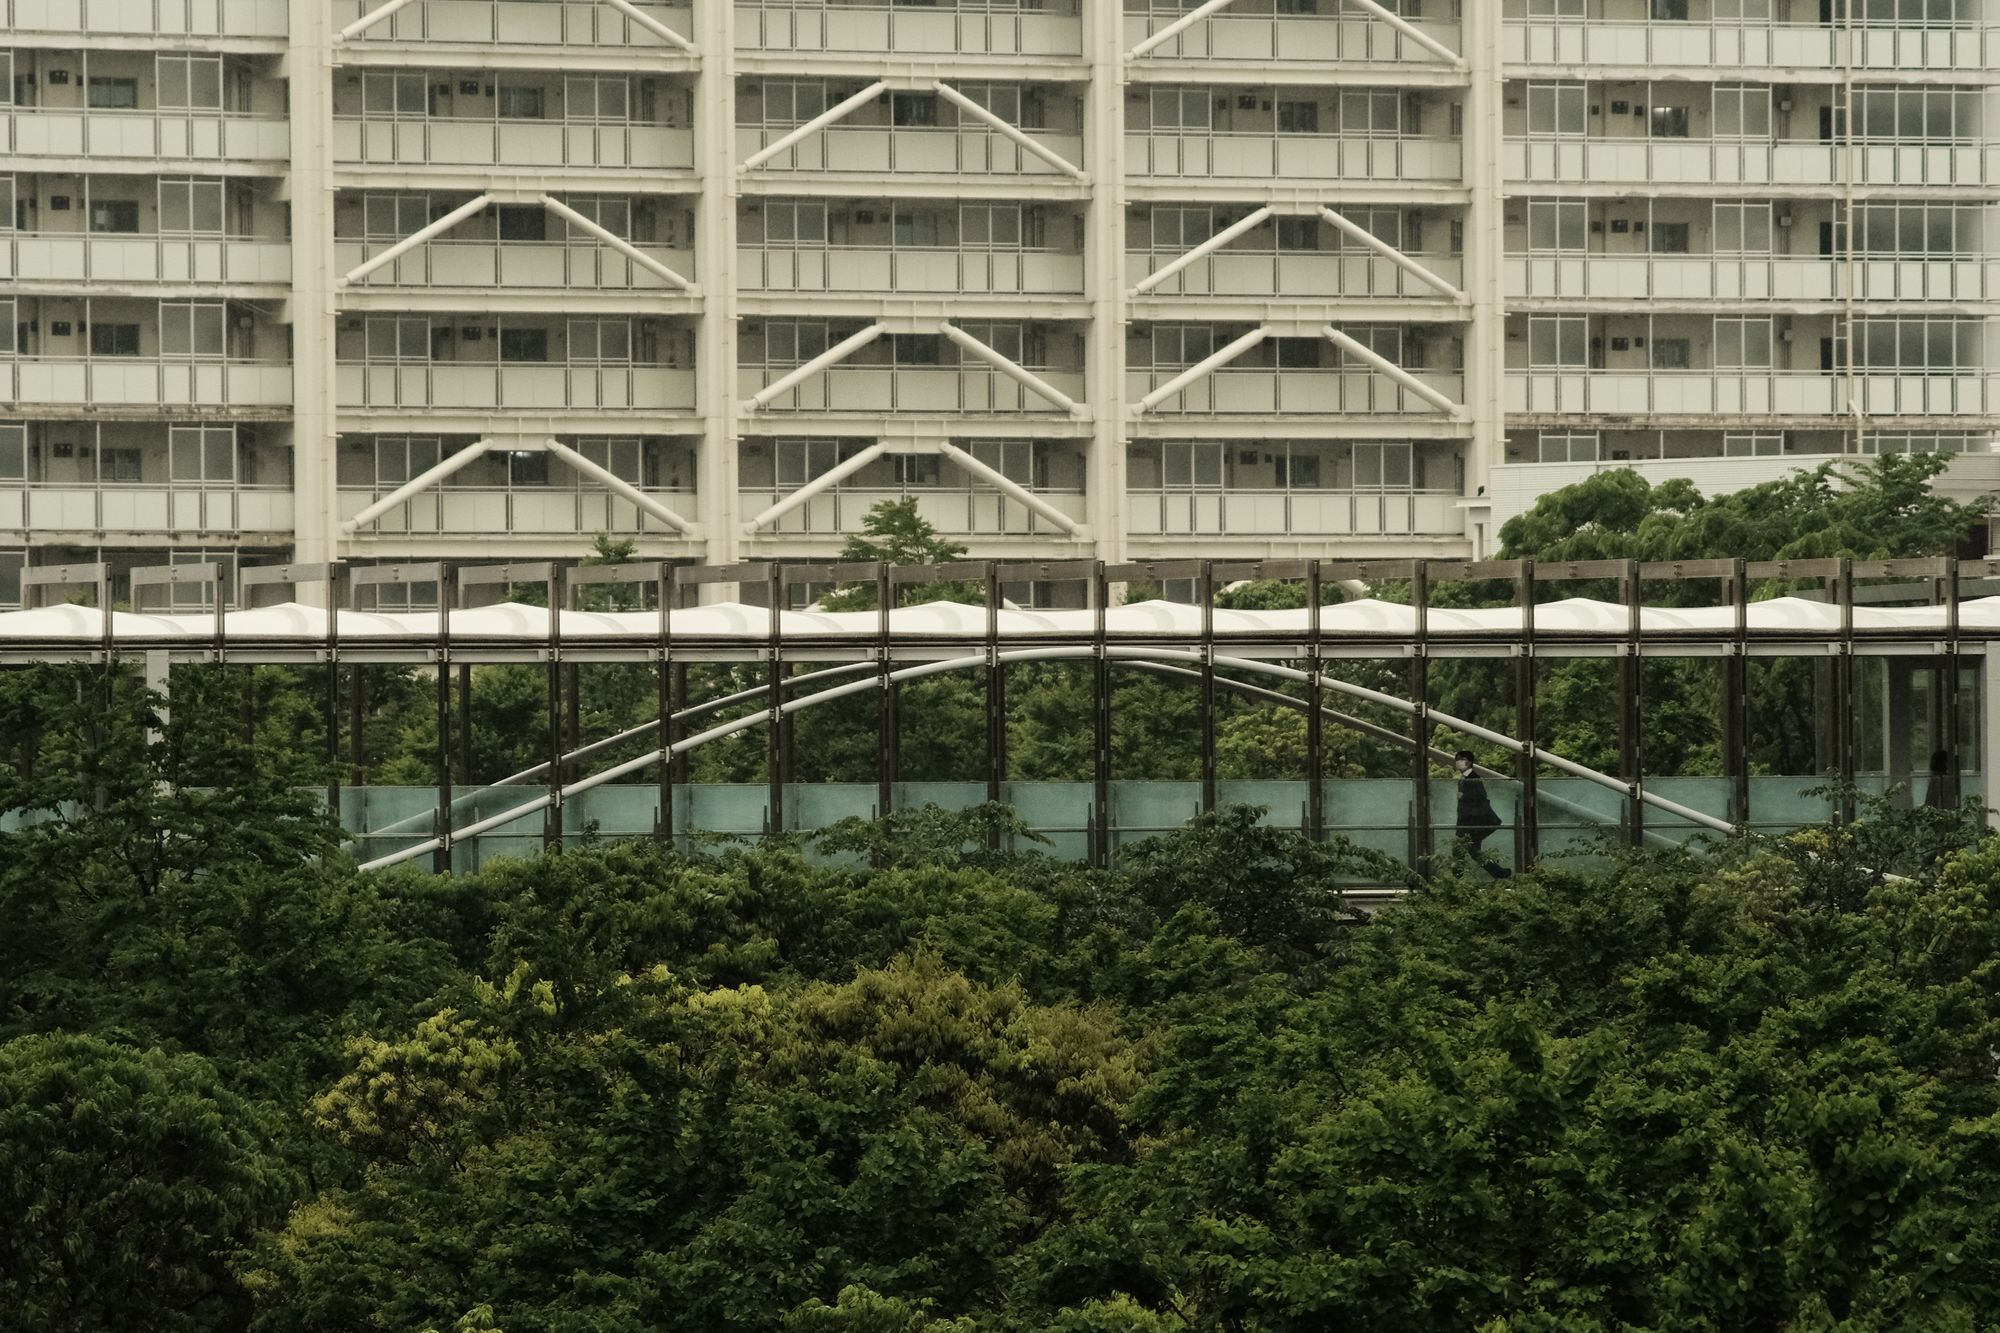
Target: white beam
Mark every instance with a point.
(1208, 365)
(1391, 253)
(1414, 33)
(815, 125)
(1020, 374)
(651, 24)
(1007, 486)
(1178, 26)
(1035, 146)
(833, 476)
(616, 242)
(423, 481)
(1207, 247)
(841, 350)
(1395, 372)
(618, 486)
(417, 238)
(368, 20)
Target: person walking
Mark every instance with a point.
(1476, 818)
(1939, 795)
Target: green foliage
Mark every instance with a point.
(894, 533)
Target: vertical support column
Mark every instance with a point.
(1206, 583)
(464, 737)
(1485, 352)
(714, 35)
(1527, 826)
(1736, 697)
(891, 719)
(1898, 729)
(665, 703)
(996, 692)
(334, 579)
(1104, 279)
(1844, 682)
(1100, 720)
(1948, 701)
(1315, 707)
(552, 818)
(1420, 718)
(315, 425)
(778, 764)
(1631, 737)
(447, 593)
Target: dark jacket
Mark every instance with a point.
(1474, 810)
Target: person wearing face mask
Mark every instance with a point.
(1476, 818)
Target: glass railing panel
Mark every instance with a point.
(1059, 811)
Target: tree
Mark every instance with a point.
(895, 533)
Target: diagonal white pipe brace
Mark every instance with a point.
(1390, 253)
(841, 350)
(1035, 146)
(368, 20)
(1208, 365)
(1008, 487)
(651, 24)
(1207, 247)
(815, 125)
(1013, 370)
(618, 486)
(1395, 372)
(615, 241)
(1177, 27)
(423, 481)
(833, 476)
(417, 238)
(1414, 33)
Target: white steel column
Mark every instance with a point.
(1391, 253)
(1485, 351)
(832, 356)
(1020, 374)
(715, 269)
(429, 231)
(1007, 486)
(1104, 275)
(315, 424)
(615, 241)
(1207, 247)
(825, 118)
(1013, 132)
(825, 481)
(1363, 352)
(1203, 368)
(423, 481)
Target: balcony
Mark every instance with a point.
(909, 272)
(1279, 513)
(873, 389)
(1291, 38)
(96, 382)
(1755, 45)
(1266, 159)
(1267, 275)
(1754, 393)
(1646, 163)
(873, 150)
(484, 511)
(232, 19)
(518, 265)
(72, 257)
(1746, 278)
(442, 142)
(833, 514)
(40, 508)
(513, 386)
(514, 23)
(204, 137)
(894, 30)
(1320, 392)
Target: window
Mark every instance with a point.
(797, 462)
(1555, 9)
(1933, 114)
(401, 458)
(1742, 9)
(1298, 6)
(1382, 467)
(620, 457)
(913, 109)
(994, 225)
(1378, 112)
(201, 453)
(1180, 229)
(114, 94)
(1179, 345)
(523, 222)
(916, 349)
(1298, 233)
(524, 344)
(1669, 238)
(191, 206)
(1182, 109)
(1886, 228)
(1191, 464)
(600, 340)
(600, 98)
(1670, 11)
(1298, 468)
(393, 338)
(1575, 447)
(119, 465)
(1742, 343)
(917, 469)
(527, 467)
(1742, 229)
(1752, 444)
(795, 221)
(191, 328)
(1742, 112)
(388, 93)
(114, 339)
(789, 102)
(1299, 353)
(391, 217)
(11, 565)
(1556, 226)
(1558, 341)
(1672, 354)
(1555, 109)
(190, 82)
(915, 228)
(518, 103)
(1298, 117)
(1669, 122)
(115, 216)
(794, 342)
(13, 451)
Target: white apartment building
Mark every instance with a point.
(388, 280)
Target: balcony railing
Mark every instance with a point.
(875, 150)
(1320, 392)
(1268, 275)
(1291, 37)
(1747, 278)
(147, 18)
(182, 136)
(70, 257)
(1750, 393)
(901, 30)
(1746, 45)
(909, 389)
(441, 142)
(1254, 513)
(136, 381)
(1648, 162)
(477, 511)
(514, 23)
(1292, 157)
(959, 513)
(514, 264)
(145, 508)
(514, 385)
(854, 268)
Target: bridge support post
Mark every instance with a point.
(1100, 722)
(552, 821)
(996, 694)
(889, 718)
(446, 594)
(665, 702)
(1948, 703)
(1420, 720)
(778, 729)
(1206, 583)
(1315, 709)
(1844, 682)
(1736, 697)
(1631, 748)
(1527, 827)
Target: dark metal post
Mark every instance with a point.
(1736, 697)
(891, 711)
(1100, 721)
(333, 582)
(1949, 702)
(1631, 749)
(779, 752)
(663, 681)
(1844, 681)
(1420, 725)
(996, 692)
(446, 591)
(465, 752)
(1527, 823)
(1206, 582)
(1315, 712)
(552, 818)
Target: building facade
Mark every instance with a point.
(380, 281)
